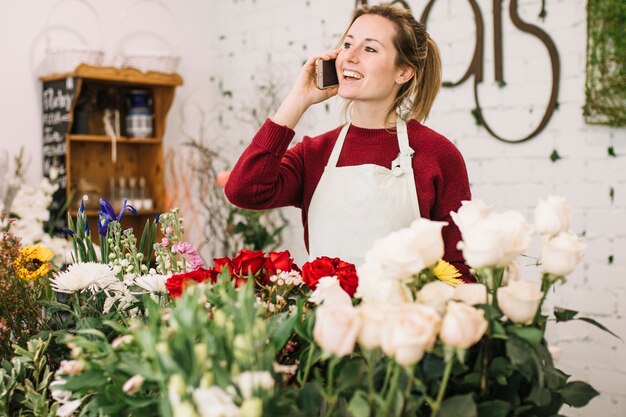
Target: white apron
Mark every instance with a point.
(353, 206)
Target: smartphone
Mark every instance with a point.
(326, 74)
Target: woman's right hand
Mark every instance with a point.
(304, 92)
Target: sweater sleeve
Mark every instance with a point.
(453, 188)
(267, 175)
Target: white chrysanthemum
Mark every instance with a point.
(153, 283)
(80, 276)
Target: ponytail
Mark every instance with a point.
(428, 83)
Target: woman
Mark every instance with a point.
(376, 174)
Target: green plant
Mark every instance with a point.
(25, 382)
(605, 83)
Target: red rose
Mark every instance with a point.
(319, 268)
(248, 262)
(221, 263)
(279, 261)
(346, 274)
(174, 285)
(177, 283)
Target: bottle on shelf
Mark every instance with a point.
(144, 195)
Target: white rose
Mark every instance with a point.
(511, 273)
(398, 255)
(373, 321)
(133, 384)
(552, 216)
(480, 247)
(336, 328)
(470, 213)
(428, 240)
(496, 240)
(376, 287)
(215, 402)
(251, 381)
(471, 293)
(462, 326)
(519, 301)
(560, 254)
(410, 332)
(329, 291)
(436, 294)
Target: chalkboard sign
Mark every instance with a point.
(57, 97)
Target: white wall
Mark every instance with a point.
(233, 45)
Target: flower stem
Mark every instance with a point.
(391, 394)
(442, 387)
(307, 367)
(331, 398)
(387, 374)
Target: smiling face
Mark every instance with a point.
(366, 64)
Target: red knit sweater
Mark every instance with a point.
(268, 175)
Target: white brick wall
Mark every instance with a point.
(505, 175)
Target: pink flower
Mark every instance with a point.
(165, 242)
(190, 253)
(222, 178)
(168, 230)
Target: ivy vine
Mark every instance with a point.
(605, 84)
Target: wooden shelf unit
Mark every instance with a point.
(88, 154)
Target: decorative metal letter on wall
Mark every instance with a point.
(475, 67)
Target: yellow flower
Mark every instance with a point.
(447, 273)
(33, 262)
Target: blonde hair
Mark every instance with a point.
(415, 49)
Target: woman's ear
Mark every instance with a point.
(405, 75)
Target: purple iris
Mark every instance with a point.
(107, 214)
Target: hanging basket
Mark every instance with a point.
(62, 59)
(165, 60)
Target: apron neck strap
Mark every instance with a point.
(401, 132)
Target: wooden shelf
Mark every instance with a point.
(119, 76)
(107, 139)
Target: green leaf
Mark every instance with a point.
(532, 335)
(458, 406)
(611, 151)
(500, 368)
(595, 323)
(554, 156)
(517, 351)
(495, 408)
(577, 393)
(85, 381)
(539, 395)
(563, 314)
(358, 406)
(352, 375)
(280, 328)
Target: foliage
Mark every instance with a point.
(605, 84)
(23, 282)
(258, 229)
(24, 382)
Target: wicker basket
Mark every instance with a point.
(165, 60)
(159, 62)
(63, 59)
